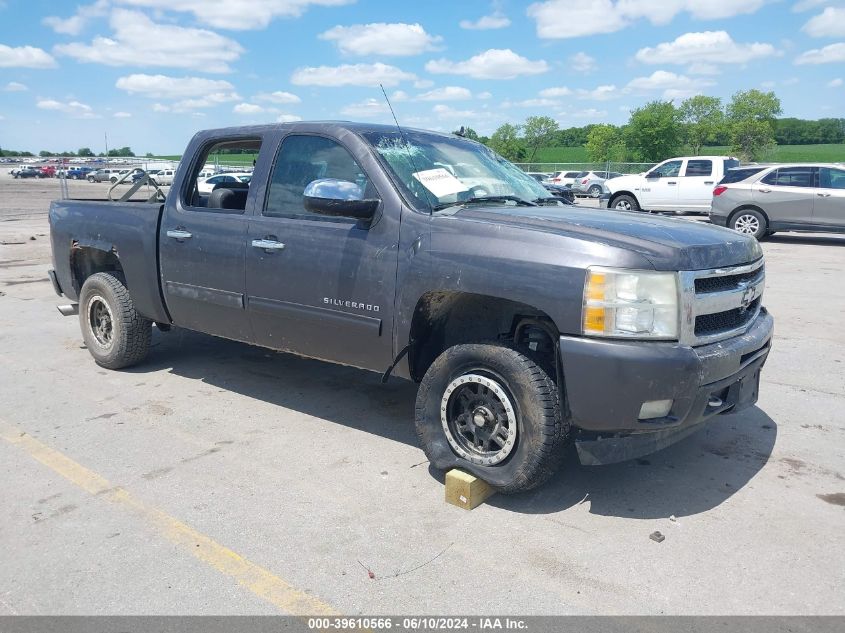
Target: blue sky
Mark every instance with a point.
(149, 73)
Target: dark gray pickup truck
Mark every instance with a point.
(527, 323)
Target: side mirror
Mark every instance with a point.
(341, 198)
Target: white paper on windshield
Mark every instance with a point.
(440, 182)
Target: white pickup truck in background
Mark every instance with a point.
(678, 184)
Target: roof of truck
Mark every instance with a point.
(327, 126)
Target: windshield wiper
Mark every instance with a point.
(543, 200)
(520, 202)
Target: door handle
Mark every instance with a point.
(268, 245)
(765, 190)
(823, 195)
(179, 234)
(709, 182)
(671, 182)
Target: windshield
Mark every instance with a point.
(440, 171)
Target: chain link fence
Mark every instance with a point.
(622, 168)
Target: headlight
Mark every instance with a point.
(630, 304)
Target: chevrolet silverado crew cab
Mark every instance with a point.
(678, 184)
(527, 323)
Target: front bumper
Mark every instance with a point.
(607, 382)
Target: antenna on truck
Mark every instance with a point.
(405, 141)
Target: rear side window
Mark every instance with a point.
(830, 178)
(699, 167)
(790, 177)
(738, 175)
(229, 196)
(301, 160)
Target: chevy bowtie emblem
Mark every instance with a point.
(747, 299)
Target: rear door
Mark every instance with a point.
(326, 285)
(829, 205)
(787, 194)
(660, 189)
(695, 187)
(202, 252)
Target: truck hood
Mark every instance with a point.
(624, 183)
(668, 243)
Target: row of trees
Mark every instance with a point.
(748, 124)
(82, 152)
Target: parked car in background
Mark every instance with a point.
(105, 175)
(760, 200)
(78, 173)
(26, 171)
(165, 176)
(677, 185)
(567, 178)
(560, 191)
(540, 177)
(592, 183)
(47, 171)
(140, 174)
(207, 185)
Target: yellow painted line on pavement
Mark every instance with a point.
(258, 580)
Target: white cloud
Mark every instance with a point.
(828, 23)
(165, 87)
(279, 96)
(445, 112)
(582, 63)
(207, 101)
(160, 107)
(396, 40)
(247, 108)
(560, 91)
(72, 108)
(399, 95)
(560, 19)
(706, 47)
(25, 57)
(834, 83)
(138, 41)
(589, 113)
(350, 75)
(496, 20)
(288, 118)
(484, 95)
(422, 84)
(600, 93)
(78, 21)
(14, 86)
(833, 53)
(122, 115)
(671, 85)
(449, 93)
(237, 14)
(491, 64)
(366, 109)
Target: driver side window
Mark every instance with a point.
(301, 160)
(667, 170)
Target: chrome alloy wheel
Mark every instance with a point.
(100, 321)
(623, 205)
(479, 419)
(747, 223)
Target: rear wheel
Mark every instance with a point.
(594, 191)
(90, 178)
(749, 222)
(625, 203)
(492, 411)
(114, 333)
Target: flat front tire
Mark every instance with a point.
(113, 331)
(494, 412)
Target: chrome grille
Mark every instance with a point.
(720, 303)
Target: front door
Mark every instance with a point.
(660, 191)
(787, 194)
(829, 207)
(317, 285)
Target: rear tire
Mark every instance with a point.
(114, 333)
(625, 203)
(594, 191)
(494, 412)
(749, 222)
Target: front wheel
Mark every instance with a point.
(492, 411)
(625, 203)
(114, 333)
(90, 178)
(749, 222)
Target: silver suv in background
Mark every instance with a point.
(761, 199)
(591, 183)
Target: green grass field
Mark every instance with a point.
(781, 154)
